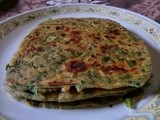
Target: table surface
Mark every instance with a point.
(149, 8)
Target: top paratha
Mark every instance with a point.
(82, 52)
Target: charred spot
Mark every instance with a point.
(76, 66)
(142, 59)
(54, 44)
(103, 49)
(31, 48)
(81, 46)
(39, 49)
(74, 40)
(109, 36)
(134, 70)
(70, 50)
(94, 36)
(96, 22)
(36, 33)
(120, 42)
(33, 38)
(57, 28)
(75, 33)
(48, 27)
(55, 83)
(96, 64)
(75, 37)
(112, 33)
(93, 56)
(106, 48)
(67, 29)
(63, 34)
(113, 69)
(58, 83)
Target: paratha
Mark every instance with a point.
(89, 103)
(68, 96)
(79, 53)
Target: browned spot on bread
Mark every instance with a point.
(113, 69)
(53, 43)
(96, 64)
(71, 50)
(62, 82)
(31, 48)
(108, 48)
(134, 70)
(94, 36)
(112, 33)
(76, 66)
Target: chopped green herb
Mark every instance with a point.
(15, 67)
(130, 40)
(149, 66)
(7, 67)
(18, 63)
(123, 52)
(91, 74)
(119, 58)
(41, 65)
(131, 63)
(41, 75)
(77, 54)
(105, 59)
(139, 54)
(90, 46)
(134, 83)
(107, 80)
(133, 53)
(32, 88)
(143, 70)
(33, 65)
(10, 69)
(54, 67)
(124, 77)
(128, 102)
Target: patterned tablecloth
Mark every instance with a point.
(149, 8)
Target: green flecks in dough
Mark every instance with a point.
(119, 58)
(10, 69)
(125, 77)
(134, 83)
(106, 79)
(105, 59)
(92, 75)
(32, 88)
(135, 54)
(77, 54)
(54, 67)
(41, 75)
(131, 63)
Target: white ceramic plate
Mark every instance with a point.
(13, 30)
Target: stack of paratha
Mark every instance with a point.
(76, 63)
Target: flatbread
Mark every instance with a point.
(68, 96)
(98, 58)
(108, 101)
(82, 52)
